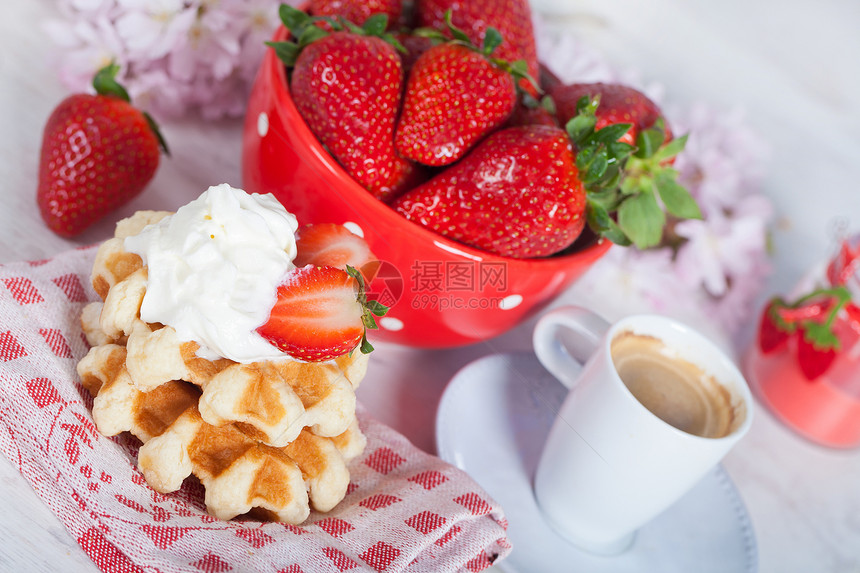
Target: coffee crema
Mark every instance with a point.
(673, 389)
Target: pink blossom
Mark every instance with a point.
(150, 29)
(87, 46)
(721, 248)
(723, 159)
(625, 274)
(175, 56)
(257, 18)
(210, 47)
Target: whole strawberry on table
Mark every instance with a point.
(456, 135)
(98, 153)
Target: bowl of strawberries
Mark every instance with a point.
(430, 136)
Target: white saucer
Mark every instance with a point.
(492, 421)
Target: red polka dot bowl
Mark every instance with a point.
(441, 293)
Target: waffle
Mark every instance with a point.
(113, 263)
(240, 474)
(279, 399)
(271, 438)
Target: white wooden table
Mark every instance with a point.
(792, 66)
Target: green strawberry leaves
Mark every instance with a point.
(305, 29)
(675, 196)
(492, 40)
(376, 25)
(642, 219)
(630, 189)
(820, 336)
(647, 174)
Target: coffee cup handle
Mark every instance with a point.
(564, 360)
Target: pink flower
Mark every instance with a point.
(154, 89)
(631, 276)
(175, 56)
(87, 46)
(721, 248)
(258, 20)
(150, 29)
(209, 47)
(723, 159)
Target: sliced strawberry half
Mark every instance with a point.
(321, 313)
(332, 245)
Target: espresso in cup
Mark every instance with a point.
(673, 389)
(625, 443)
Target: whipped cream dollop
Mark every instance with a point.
(214, 267)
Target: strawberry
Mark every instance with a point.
(618, 104)
(98, 152)
(321, 313)
(455, 95)
(357, 11)
(843, 269)
(347, 86)
(814, 359)
(817, 341)
(773, 332)
(517, 194)
(511, 18)
(852, 312)
(329, 244)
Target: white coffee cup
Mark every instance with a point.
(610, 464)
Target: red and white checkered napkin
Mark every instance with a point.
(404, 511)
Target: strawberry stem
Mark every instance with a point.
(370, 309)
(492, 40)
(104, 82)
(623, 182)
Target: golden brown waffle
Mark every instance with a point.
(113, 263)
(279, 399)
(272, 438)
(239, 473)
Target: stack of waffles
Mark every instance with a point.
(269, 439)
